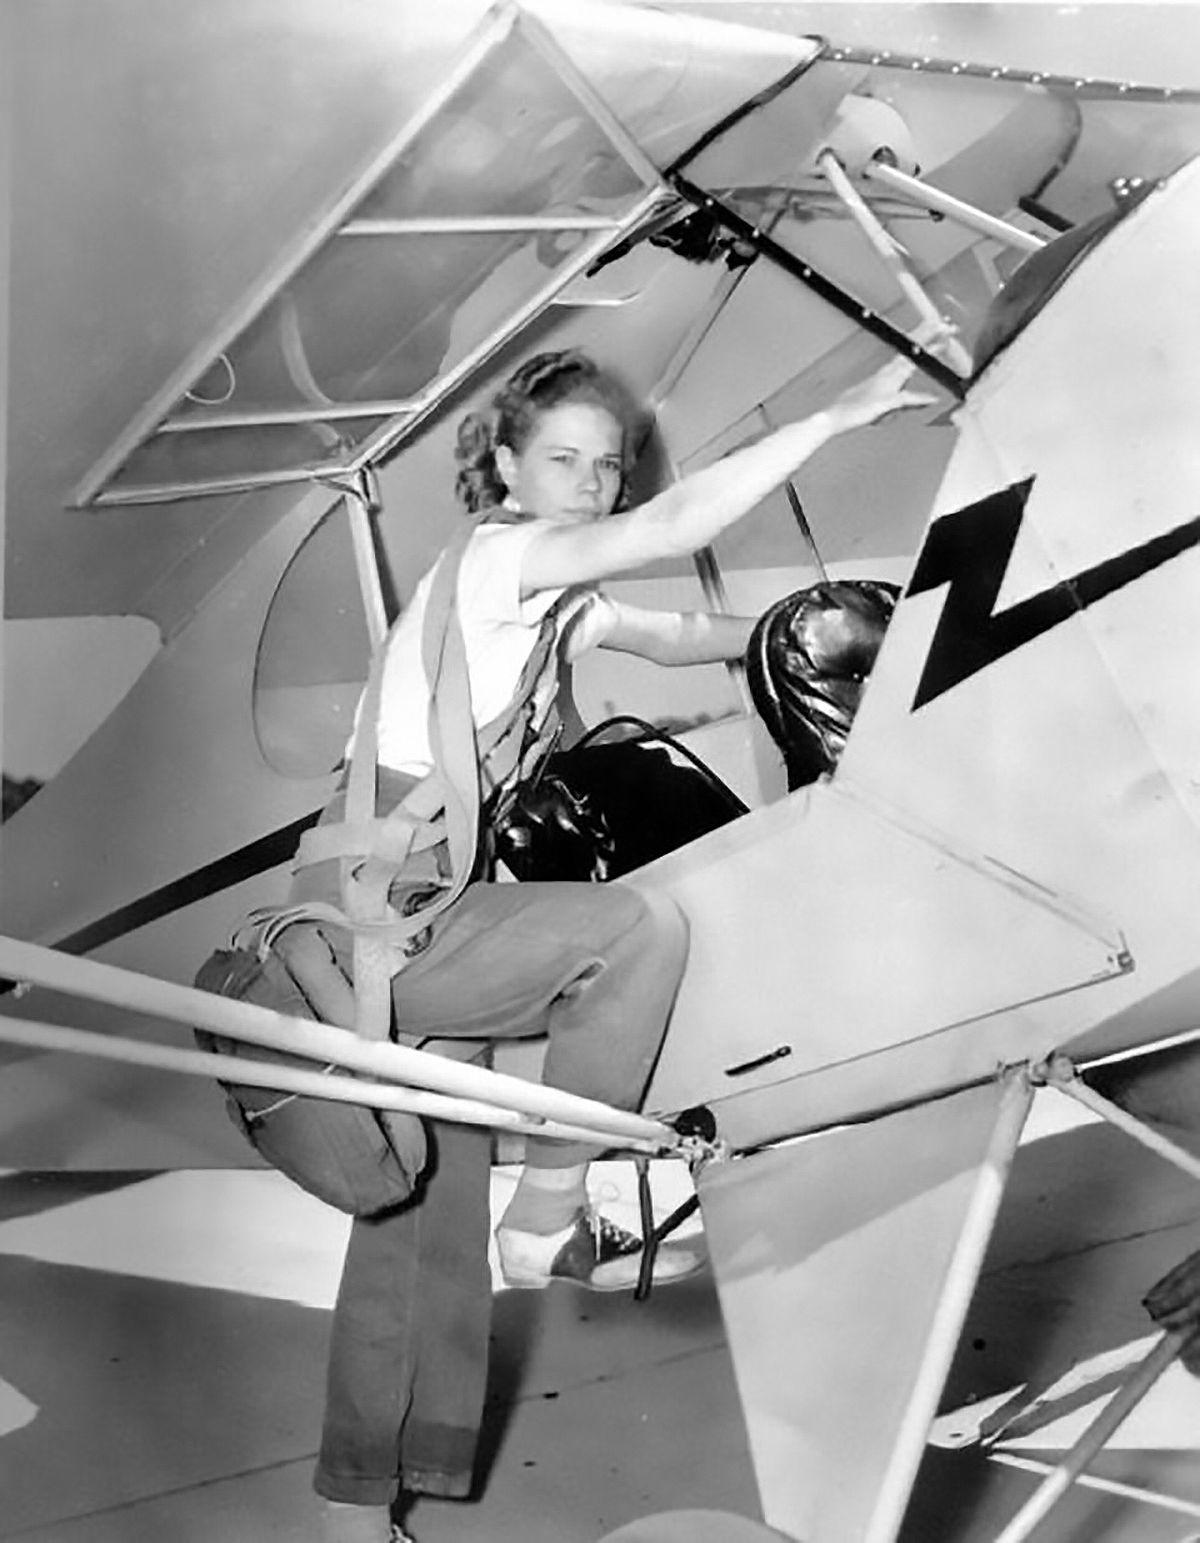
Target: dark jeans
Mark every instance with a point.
(594, 967)
(409, 1342)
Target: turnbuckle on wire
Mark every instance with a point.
(698, 1146)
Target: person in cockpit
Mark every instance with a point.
(488, 636)
(594, 967)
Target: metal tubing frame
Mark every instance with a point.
(488, 36)
(1111, 1417)
(301, 1083)
(542, 41)
(1149, 1497)
(801, 519)
(385, 440)
(705, 561)
(953, 1302)
(169, 492)
(953, 208)
(481, 225)
(940, 334)
(716, 597)
(712, 582)
(797, 508)
(724, 291)
(1135, 1052)
(283, 417)
(366, 563)
(1059, 1072)
(799, 268)
(29, 962)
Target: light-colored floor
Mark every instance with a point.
(162, 1340)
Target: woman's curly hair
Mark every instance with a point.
(541, 383)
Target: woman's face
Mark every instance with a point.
(570, 469)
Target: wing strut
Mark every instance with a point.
(841, 1331)
(446, 1089)
(1059, 1072)
(1107, 1422)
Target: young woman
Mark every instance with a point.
(595, 968)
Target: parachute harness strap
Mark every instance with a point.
(431, 838)
(440, 812)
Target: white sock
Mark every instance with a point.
(342, 1523)
(547, 1199)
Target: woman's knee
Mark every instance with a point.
(665, 922)
(655, 933)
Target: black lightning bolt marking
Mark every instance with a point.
(969, 550)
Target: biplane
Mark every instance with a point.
(262, 257)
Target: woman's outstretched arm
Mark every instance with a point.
(689, 514)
